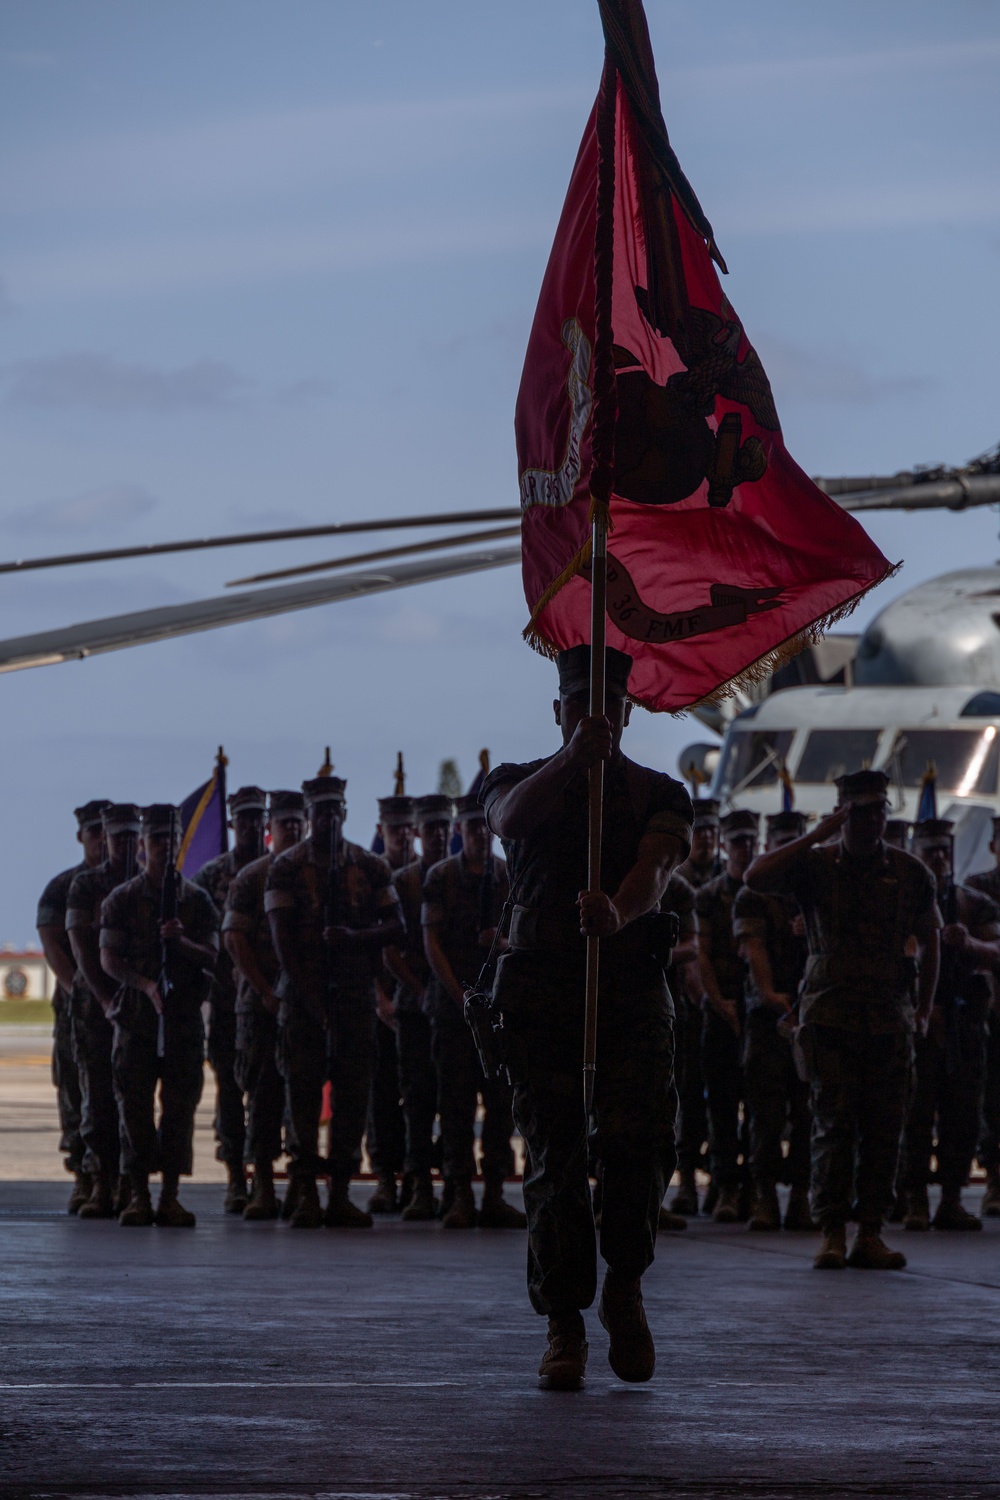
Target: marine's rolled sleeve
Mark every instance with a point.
(113, 923)
(279, 892)
(433, 906)
(749, 914)
(501, 779)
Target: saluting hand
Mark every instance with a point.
(599, 916)
(591, 742)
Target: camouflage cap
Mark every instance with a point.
(469, 807)
(436, 808)
(324, 789)
(396, 812)
(285, 803)
(933, 831)
(122, 817)
(161, 817)
(91, 814)
(863, 786)
(574, 672)
(706, 812)
(786, 821)
(248, 799)
(740, 822)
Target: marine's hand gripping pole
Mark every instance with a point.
(598, 605)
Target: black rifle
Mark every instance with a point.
(482, 1015)
(331, 918)
(168, 912)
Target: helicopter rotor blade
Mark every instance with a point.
(253, 538)
(93, 637)
(493, 534)
(959, 492)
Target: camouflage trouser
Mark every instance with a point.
(723, 1074)
(93, 1036)
(948, 1078)
(230, 1126)
(418, 1087)
(988, 1150)
(860, 1087)
(308, 1054)
(168, 1146)
(302, 1063)
(385, 1127)
(460, 1083)
(692, 1115)
(66, 1081)
(636, 1109)
(776, 1100)
(256, 1073)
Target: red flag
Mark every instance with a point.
(724, 557)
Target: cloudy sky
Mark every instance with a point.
(271, 263)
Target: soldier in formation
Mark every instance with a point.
(701, 866)
(988, 1151)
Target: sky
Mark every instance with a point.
(274, 262)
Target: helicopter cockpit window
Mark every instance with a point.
(830, 753)
(965, 759)
(752, 758)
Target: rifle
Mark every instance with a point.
(168, 912)
(331, 914)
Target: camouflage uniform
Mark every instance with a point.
(857, 1012)
(317, 1037)
(417, 1076)
(130, 925)
(950, 1069)
(692, 1113)
(721, 1048)
(65, 1072)
(230, 1129)
(540, 986)
(988, 1148)
(93, 1033)
(776, 1097)
(256, 1067)
(453, 903)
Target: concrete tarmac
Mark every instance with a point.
(240, 1359)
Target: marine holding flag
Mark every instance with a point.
(643, 410)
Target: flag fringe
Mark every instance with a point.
(758, 671)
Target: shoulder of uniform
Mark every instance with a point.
(509, 771)
(253, 870)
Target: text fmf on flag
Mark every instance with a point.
(724, 558)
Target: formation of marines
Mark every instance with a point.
(819, 1015)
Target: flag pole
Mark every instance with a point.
(601, 483)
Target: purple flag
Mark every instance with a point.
(205, 833)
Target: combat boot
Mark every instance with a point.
(171, 1213)
(798, 1214)
(307, 1213)
(767, 1212)
(235, 1200)
(138, 1213)
(341, 1212)
(290, 1202)
(710, 1199)
(990, 1206)
(669, 1222)
(383, 1200)
(631, 1353)
(123, 1194)
(727, 1210)
(744, 1203)
(462, 1213)
(564, 1362)
(100, 1204)
(950, 1213)
(870, 1252)
(496, 1214)
(447, 1197)
(685, 1200)
(421, 1205)
(83, 1186)
(263, 1203)
(832, 1255)
(917, 1216)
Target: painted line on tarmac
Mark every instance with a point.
(224, 1385)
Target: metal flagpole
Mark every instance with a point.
(601, 482)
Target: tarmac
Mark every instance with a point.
(238, 1359)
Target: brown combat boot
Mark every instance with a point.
(990, 1206)
(263, 1204)
(766, 1216)
(564, 1362)
(123, 1194)
(497, 1214)
(950, 1213)
(290, 1201)
(798, 1214)
(307, 1213)
(138, 1213)
(832, 1254)
(384, 1200)
(462, 1213)
(917, 1213)
(341, 1212)
(670, 1222)
(421, 1205)
(727, 1209)
(83, 1186)
(235, 1200)
(711, 1199)
(631, 1353)
(171, 1213)
(870, 1252)
(100, 1204)
(685, 1200)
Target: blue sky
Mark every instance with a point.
(268, 263)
